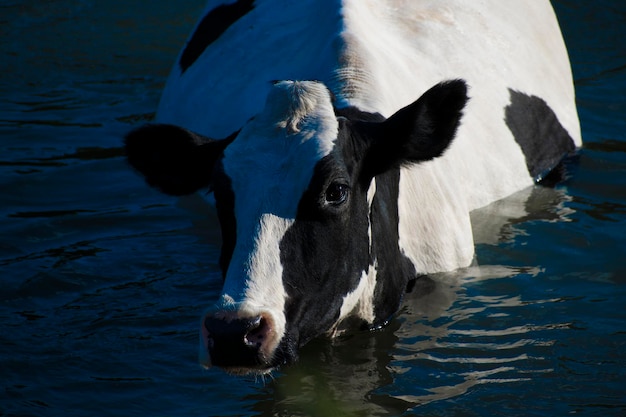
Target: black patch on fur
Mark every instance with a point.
(216, 22)
(394, 269)
(537, 130)
(324, 252)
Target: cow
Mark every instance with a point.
(345, 143)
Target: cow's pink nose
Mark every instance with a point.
(238, 342)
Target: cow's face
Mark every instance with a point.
(293, 191)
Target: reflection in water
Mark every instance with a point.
(470, 343)
(497, 222)
(444, 343)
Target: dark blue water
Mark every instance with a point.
(103, 280)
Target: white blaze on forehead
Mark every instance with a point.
(270, 165)
(254, 277)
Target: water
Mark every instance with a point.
(104, 280)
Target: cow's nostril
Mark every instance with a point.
(257, 334)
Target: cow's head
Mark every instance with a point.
(293, 191)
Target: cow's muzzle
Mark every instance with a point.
(239, 344)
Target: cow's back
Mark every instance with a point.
(380, 56)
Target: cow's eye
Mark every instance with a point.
(337, 193)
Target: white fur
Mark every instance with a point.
(371, 193)
(360, 302)
(278, 40)
(270, 165)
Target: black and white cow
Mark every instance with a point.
(333, 194)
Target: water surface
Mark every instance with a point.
(104, 280)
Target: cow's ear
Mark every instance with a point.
(172, 159)
(418, 132)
